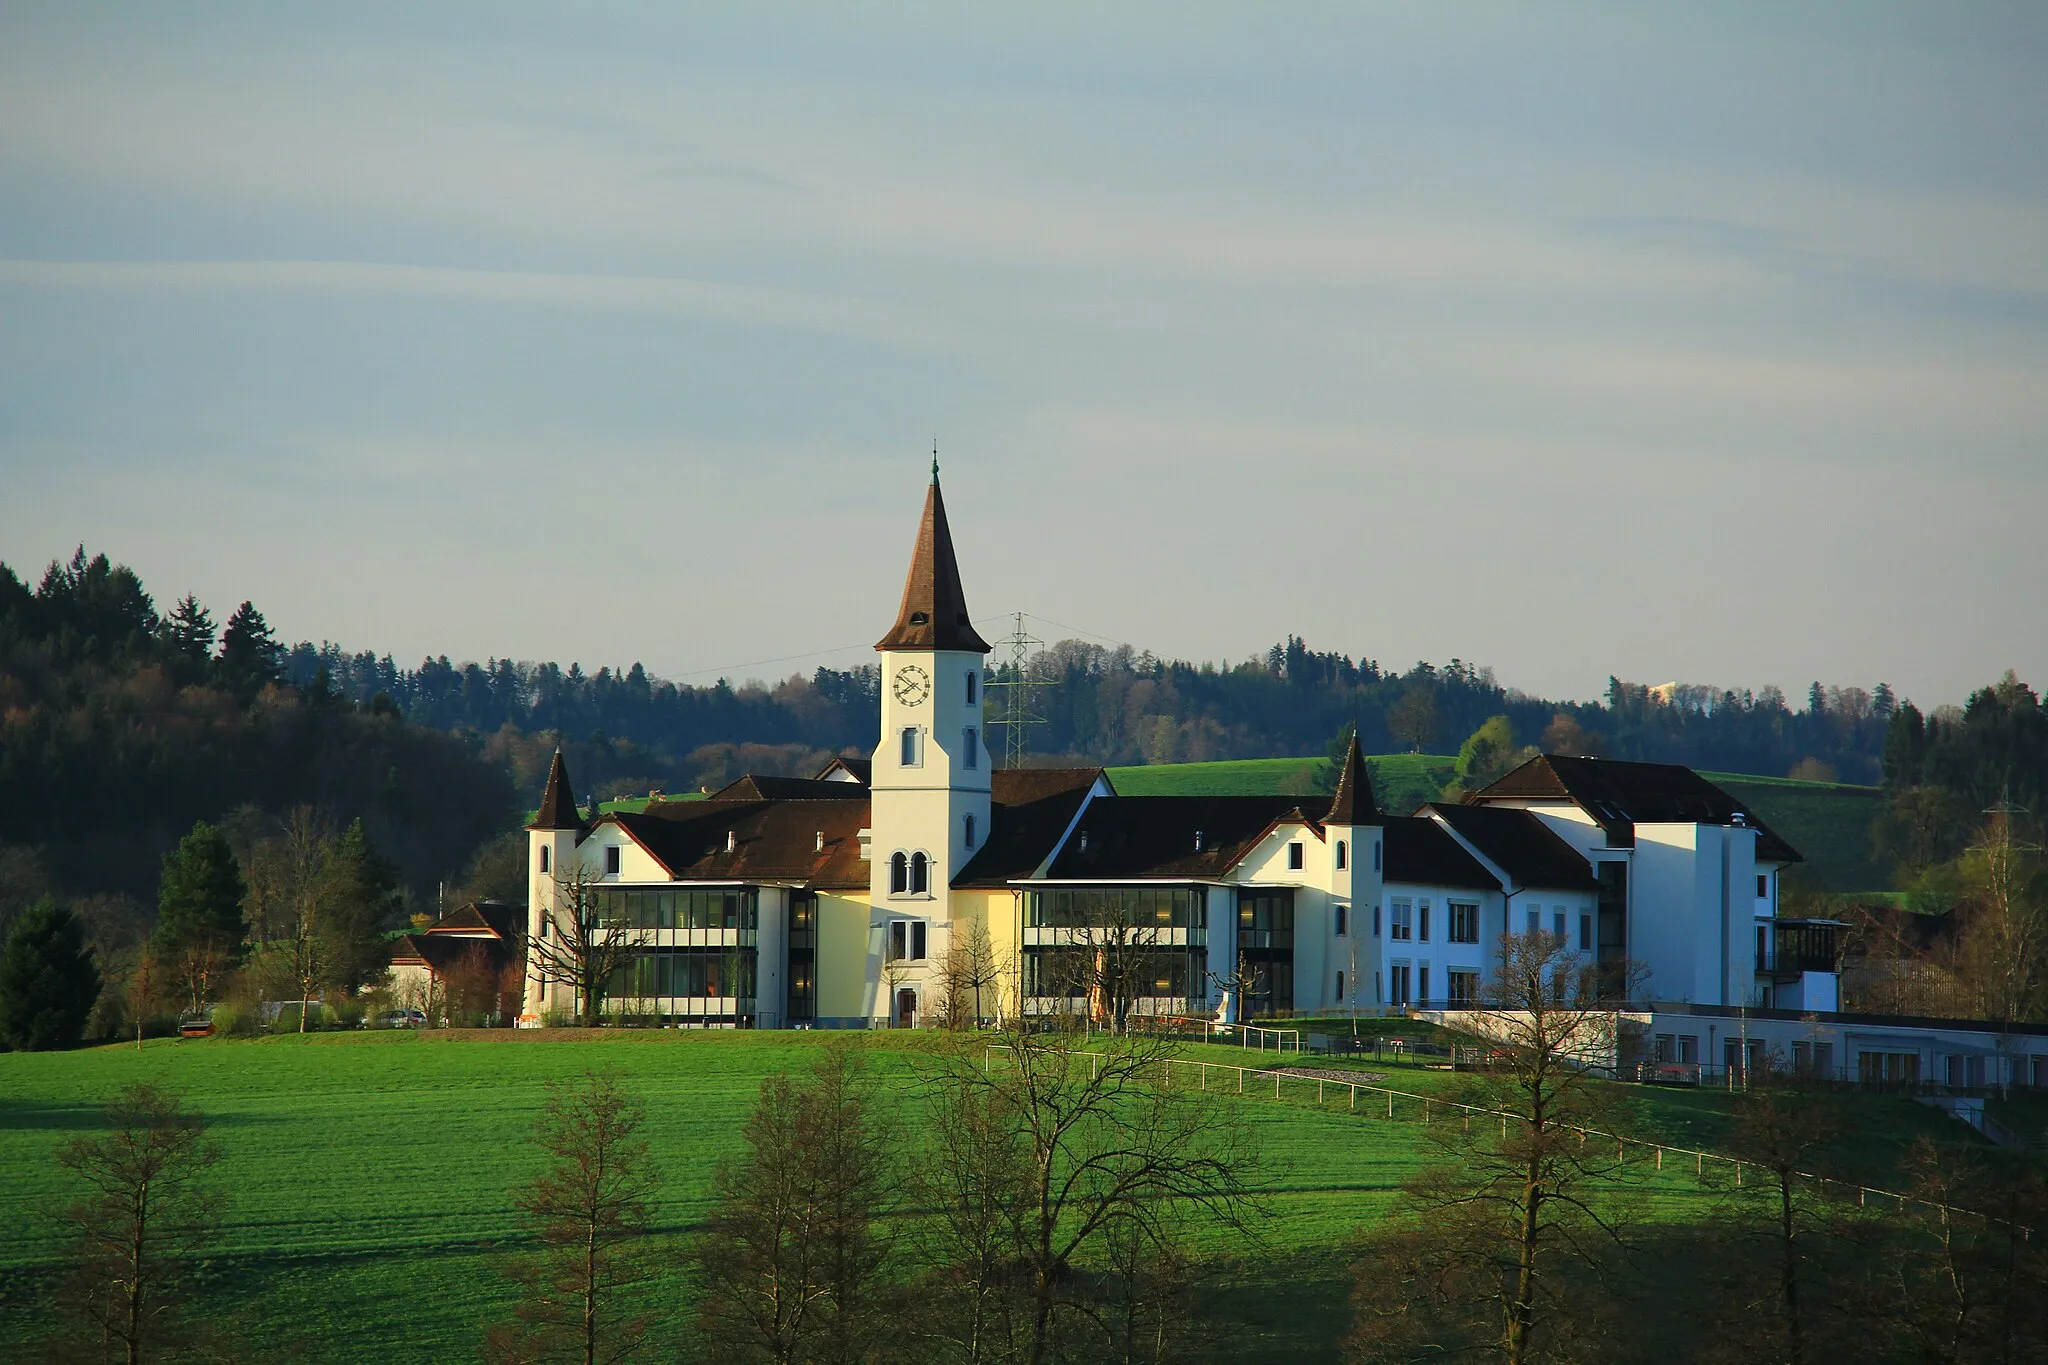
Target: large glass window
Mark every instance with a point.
(803, 956)
(1464, 922)
(658, 975)
(1401, 921)
(1133, 907)
(735, 907)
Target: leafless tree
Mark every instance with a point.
(138, 1229)
(1109, 959)
(793, 1257)
(1516, 1208)
(1079, 1146)
(1245, 980)
(2005, 941)
(971, 971)
(589, 1210)
(582, 943)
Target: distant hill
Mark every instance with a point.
(1400, 781)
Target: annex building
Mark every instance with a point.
(837, 901)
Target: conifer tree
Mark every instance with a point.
(358, 897)
(48, 980)
(188, 634)
(200, 931)
(248, 652)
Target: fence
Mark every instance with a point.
(1205, 1030)
(1234, 1081)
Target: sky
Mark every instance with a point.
(1700, 343)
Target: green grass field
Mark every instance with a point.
(1827, 822)
(1401, 781)
(369, 1174)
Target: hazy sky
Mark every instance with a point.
(1707, 345)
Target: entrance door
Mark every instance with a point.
(906, 1008)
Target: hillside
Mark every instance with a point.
(389, 1244)
(1401, 781)
(1827, 822)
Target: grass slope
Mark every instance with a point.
(1827, 822)
(1401, 781)
(369, 1174)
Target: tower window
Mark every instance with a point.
(1375, 855)
(899, 874)
(911, 755)
(970, 829)
(1343, 854)
(970, 746)
(544, 850)
(970, 687)
(1340, 914)
(920, 874)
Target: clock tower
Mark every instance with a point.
(931, 775)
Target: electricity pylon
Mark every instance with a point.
(1016, 716)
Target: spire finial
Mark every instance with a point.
(935, 459)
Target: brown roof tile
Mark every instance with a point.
(934, 610)
(558, 802)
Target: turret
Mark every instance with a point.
(551, 853)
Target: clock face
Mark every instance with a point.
(913, 685)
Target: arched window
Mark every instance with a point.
(899, 874)
(543, 857)
(1343, 860)
(970, 747)
(920, 874)
(970, 687)
(970, 829)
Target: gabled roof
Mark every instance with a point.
(842, 770)
(752, 788)
(1421, 853)
(934, 610)
(1031, 808)
(1519, 844)
(558, 802)
(1354, 803)
(1621, 795)
(480, 919)
(772, 840)
(444, 953)
(1155, 836)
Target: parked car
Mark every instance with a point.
(402, 1019)
(195, 1026)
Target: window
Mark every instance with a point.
(1464, 923)
(1689, 1049)
(1340, 987)
(611, 861)
(970, 747)
(917, 928)
(1375, 921)
(1401, 923)
(970, 687)
(1763, 886)
(1422, 983)
(1464, 987)
(969, 821)
(1667, 1048)
(1397, 979)
(906, 940)
(1557, 924)
(1585, 933)
(1343, 854)
(545, 920)
(1294, 857)
(544, 850)
(1422, 922)
(920, 874)
(899, 873)
(1338, 916)
(1535, 922)
(1375, 855)
(911, 756)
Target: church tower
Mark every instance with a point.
(931, 775)
(550, 854)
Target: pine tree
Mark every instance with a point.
(358, 899)
(248, 652)
(188, 634)
(48, 980)
(200, 932)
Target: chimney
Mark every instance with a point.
(1198, 841)
(820, 847)
(1084, 841)
(732, 841)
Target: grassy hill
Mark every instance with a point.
(1401, 781)
(369, 1174)
(1828, 822)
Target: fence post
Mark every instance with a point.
(1354, 1099)
(1205, 1074)
(1660, 1158)
(1699, 1165)
(1240, 1080)
(1319, 1090)
(1390, 1104)
(1276, 1085)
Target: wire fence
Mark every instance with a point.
(1287, 1083)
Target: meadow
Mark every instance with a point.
(1401, 781)
(369, 1174)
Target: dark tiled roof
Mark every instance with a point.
(557, 803)
(772, 840)
(934, 610)
(861, 770)
(1354, 803)
(1621, 795)
(1419, 851)
(1521, 845)
(752, 788)
(444, 953)
(1032, 808)
(480, 917)
(1154, 836)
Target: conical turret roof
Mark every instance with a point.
(557, 804)
(934, 611)
(1354, 803)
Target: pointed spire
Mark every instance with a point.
(558, 802)
(934, 610)
(1354, 803)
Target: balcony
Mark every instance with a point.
(1792, 947)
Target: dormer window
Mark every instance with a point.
(918, 618)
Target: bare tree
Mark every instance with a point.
(972, 970)
(1084, 1146)
(1496, 1232)
(589, 1209)
(977, 1185)
(1245, 980)
(1110, 960)
(582, 943)
(2005, 942)
(793, 1257)
(138, 1229)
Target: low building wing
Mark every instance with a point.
(816, 842)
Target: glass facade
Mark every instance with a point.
(1265, 942)
(1121, 954)
(1132, 907)
(724, 908)
(668, 975)
(803, 956)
